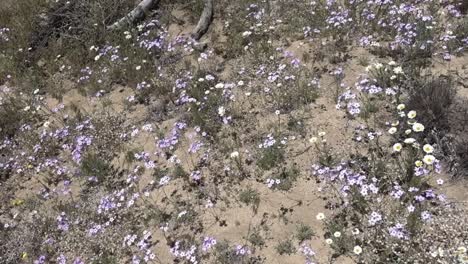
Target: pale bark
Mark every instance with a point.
(136, 14)
(205, 20)
(146, 5)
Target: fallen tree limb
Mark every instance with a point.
(136, 14)
(205, 20)
(145, 5)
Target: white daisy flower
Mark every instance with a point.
(320, 216)
(221, 111)
(357, 250)
(429, 159)
(418, 127)
(355, 231)
(397, 147)
(246, 34)
(234, 155)
(398, 70)
(392, 130)
(411, 114)
(428, 148)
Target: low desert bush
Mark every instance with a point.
(432, 98)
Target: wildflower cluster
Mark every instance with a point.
(394, 191)
(140, 144)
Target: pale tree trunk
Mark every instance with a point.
(205, 20)
(136, 14)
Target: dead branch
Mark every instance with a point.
(136, 14)
(205, 20)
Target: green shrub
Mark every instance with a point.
(285, 247)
